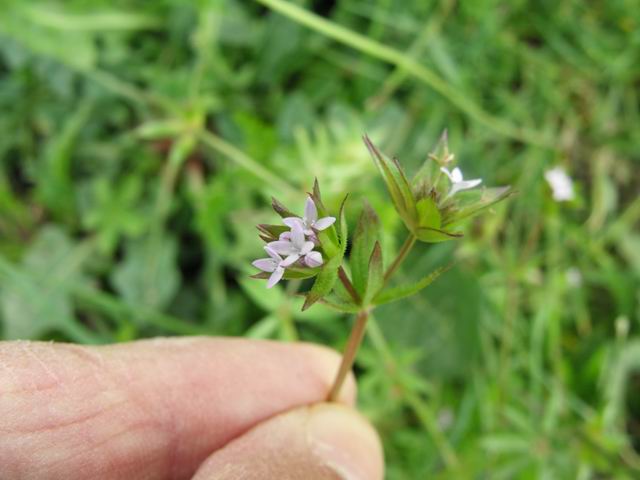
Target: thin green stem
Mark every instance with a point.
(402, 254)
(404, 62)
(349, 355)
(245, 161)
(422, 410)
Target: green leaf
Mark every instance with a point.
(269, 299)
(148, 275)
(340, 304)
(280, 209)
(35, 297)
(435, 235)
(265, 328)
(426, 177)
(344, 231)
(428, 213)
(329, 238)
(366, 235)
(160, 129)
(472, 203)
(397, 184)
(270, 233)
(376, 275)
(329, 274)
(396, 293)
(324, 281)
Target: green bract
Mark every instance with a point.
(427, 209)
(430, 206)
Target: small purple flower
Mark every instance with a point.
(274, 265)
(296, 247)
(310, 220)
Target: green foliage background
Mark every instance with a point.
(141, 142)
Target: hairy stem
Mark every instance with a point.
(402, 254)
(349, 355)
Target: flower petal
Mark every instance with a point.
(265, 264)
(307, 247)
(313, 259)
(447, 173)
(323, 223)
(290, 260)
(466, 184)
(285, 236)
(275, 277)
(291, 221)
(456, 175)
(310, 211)
(272, 253)
(282, 247)
(297, 237)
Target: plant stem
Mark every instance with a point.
(426, 416)
(402, 254)
(342, 275)
(406, 63)
(349, 355)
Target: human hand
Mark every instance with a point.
(176, 409)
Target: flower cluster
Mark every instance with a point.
(296, 245)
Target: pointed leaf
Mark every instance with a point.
(475, 205)
(329, 274)
(430, 169)
(280, 209)
(324, 281)
(340, 304)
(364, 238)
(272, 232)
(397, 184)
(403, 291)
(435, 235)
(329, 236)
(376, 274)
(428, 213)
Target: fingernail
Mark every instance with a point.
(345, 442)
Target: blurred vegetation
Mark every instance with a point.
(141, 142)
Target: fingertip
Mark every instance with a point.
(327, 362)
(324, 441)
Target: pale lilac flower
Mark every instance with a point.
(560, 183)
(297, 247)
(274, 265)
(457, 182)
(310, 219)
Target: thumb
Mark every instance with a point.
(324, 441)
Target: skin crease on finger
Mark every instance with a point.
(147, 410)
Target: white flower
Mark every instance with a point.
(274, 265)
(560, 183)
(574, 277)
(310, 219)
(297, 247)
(457, 182)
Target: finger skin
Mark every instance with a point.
(146, 410)
(323, 441)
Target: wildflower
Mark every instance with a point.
(457, 182)
(297, 247)
(274, 265)
(574, 277)
(560, 183)
(310, 220)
